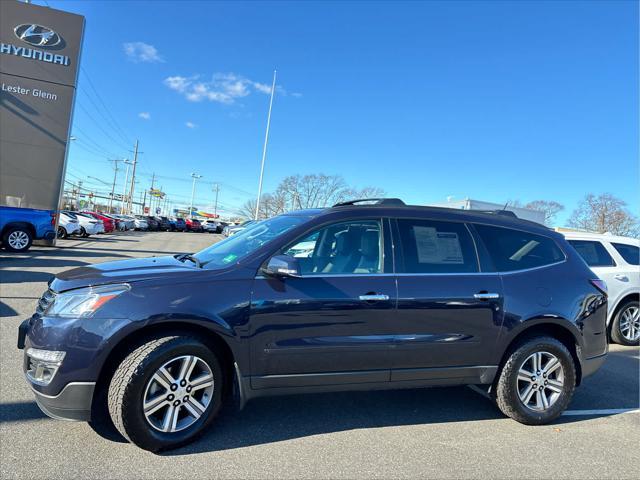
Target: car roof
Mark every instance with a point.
(395, 210)
(606, 237)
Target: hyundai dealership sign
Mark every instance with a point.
(39, 64)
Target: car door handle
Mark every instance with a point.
(620, 276)
(486, 296)
(374, 297)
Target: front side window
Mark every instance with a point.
(513, 250)
(630, 253)
(436, 247)
(353, 247)
(593, 253)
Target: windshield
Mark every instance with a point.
(243, 243)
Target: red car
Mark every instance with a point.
(109, 225)
(193, 225)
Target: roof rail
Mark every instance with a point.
(504, 213)
(372, 201)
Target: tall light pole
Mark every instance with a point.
(193, 191)
(264, 148)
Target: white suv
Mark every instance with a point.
(615, 260)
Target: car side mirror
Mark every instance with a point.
(282, 266)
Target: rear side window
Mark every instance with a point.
(593, 253)
(630, 253)
(436, 247)
(517, 250)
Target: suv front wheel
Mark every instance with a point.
(537, 381)
(166, 392)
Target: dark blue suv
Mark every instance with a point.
(364, 295)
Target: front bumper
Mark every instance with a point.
(72, 403)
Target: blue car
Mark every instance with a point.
(360, 296)
(19, 227)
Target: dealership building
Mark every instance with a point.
(39, 65)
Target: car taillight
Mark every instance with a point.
(599, 284)
(53, 219)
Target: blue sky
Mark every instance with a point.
(488, 100)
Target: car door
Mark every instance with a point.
(598, 258)
(333, 324)
(627, 277)
(449, 312)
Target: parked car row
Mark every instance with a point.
(19, 227)
(232, 229)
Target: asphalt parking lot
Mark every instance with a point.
(439, 433)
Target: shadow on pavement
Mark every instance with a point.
(6, 310)
(20, 411)
(45, 263)
(20, 276)
(615, 385)
(276, 419)
(62, 252)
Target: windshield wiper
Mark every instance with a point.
(189, 256)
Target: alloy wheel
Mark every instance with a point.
(178, 393)
(540, 381)
(18, 240)
(630, 323)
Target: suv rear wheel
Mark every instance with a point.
(166, 392)
(625, 329)
(537, 381)
(17, 239)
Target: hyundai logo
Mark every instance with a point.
(37, 35)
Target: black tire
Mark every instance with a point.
(8, 239)
(62, 233)
(128, 384)
(506, 387)
(616, 332)
(83, 233)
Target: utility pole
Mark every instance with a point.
(78, 195)
(264, 149)
(133, 176)
(144, 202)
(115, 177)
(193, 191)
(215, 208)
(124, 188)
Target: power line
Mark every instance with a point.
(116, 142)
(114, 122)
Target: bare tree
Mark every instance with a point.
(307, 191)
(604, 213)
(549, 207)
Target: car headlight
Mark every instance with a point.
(84, 302)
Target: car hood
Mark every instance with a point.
(123, 271)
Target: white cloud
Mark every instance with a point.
(142, 52)
(222, 88)
(190, 125)
(144, 115)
